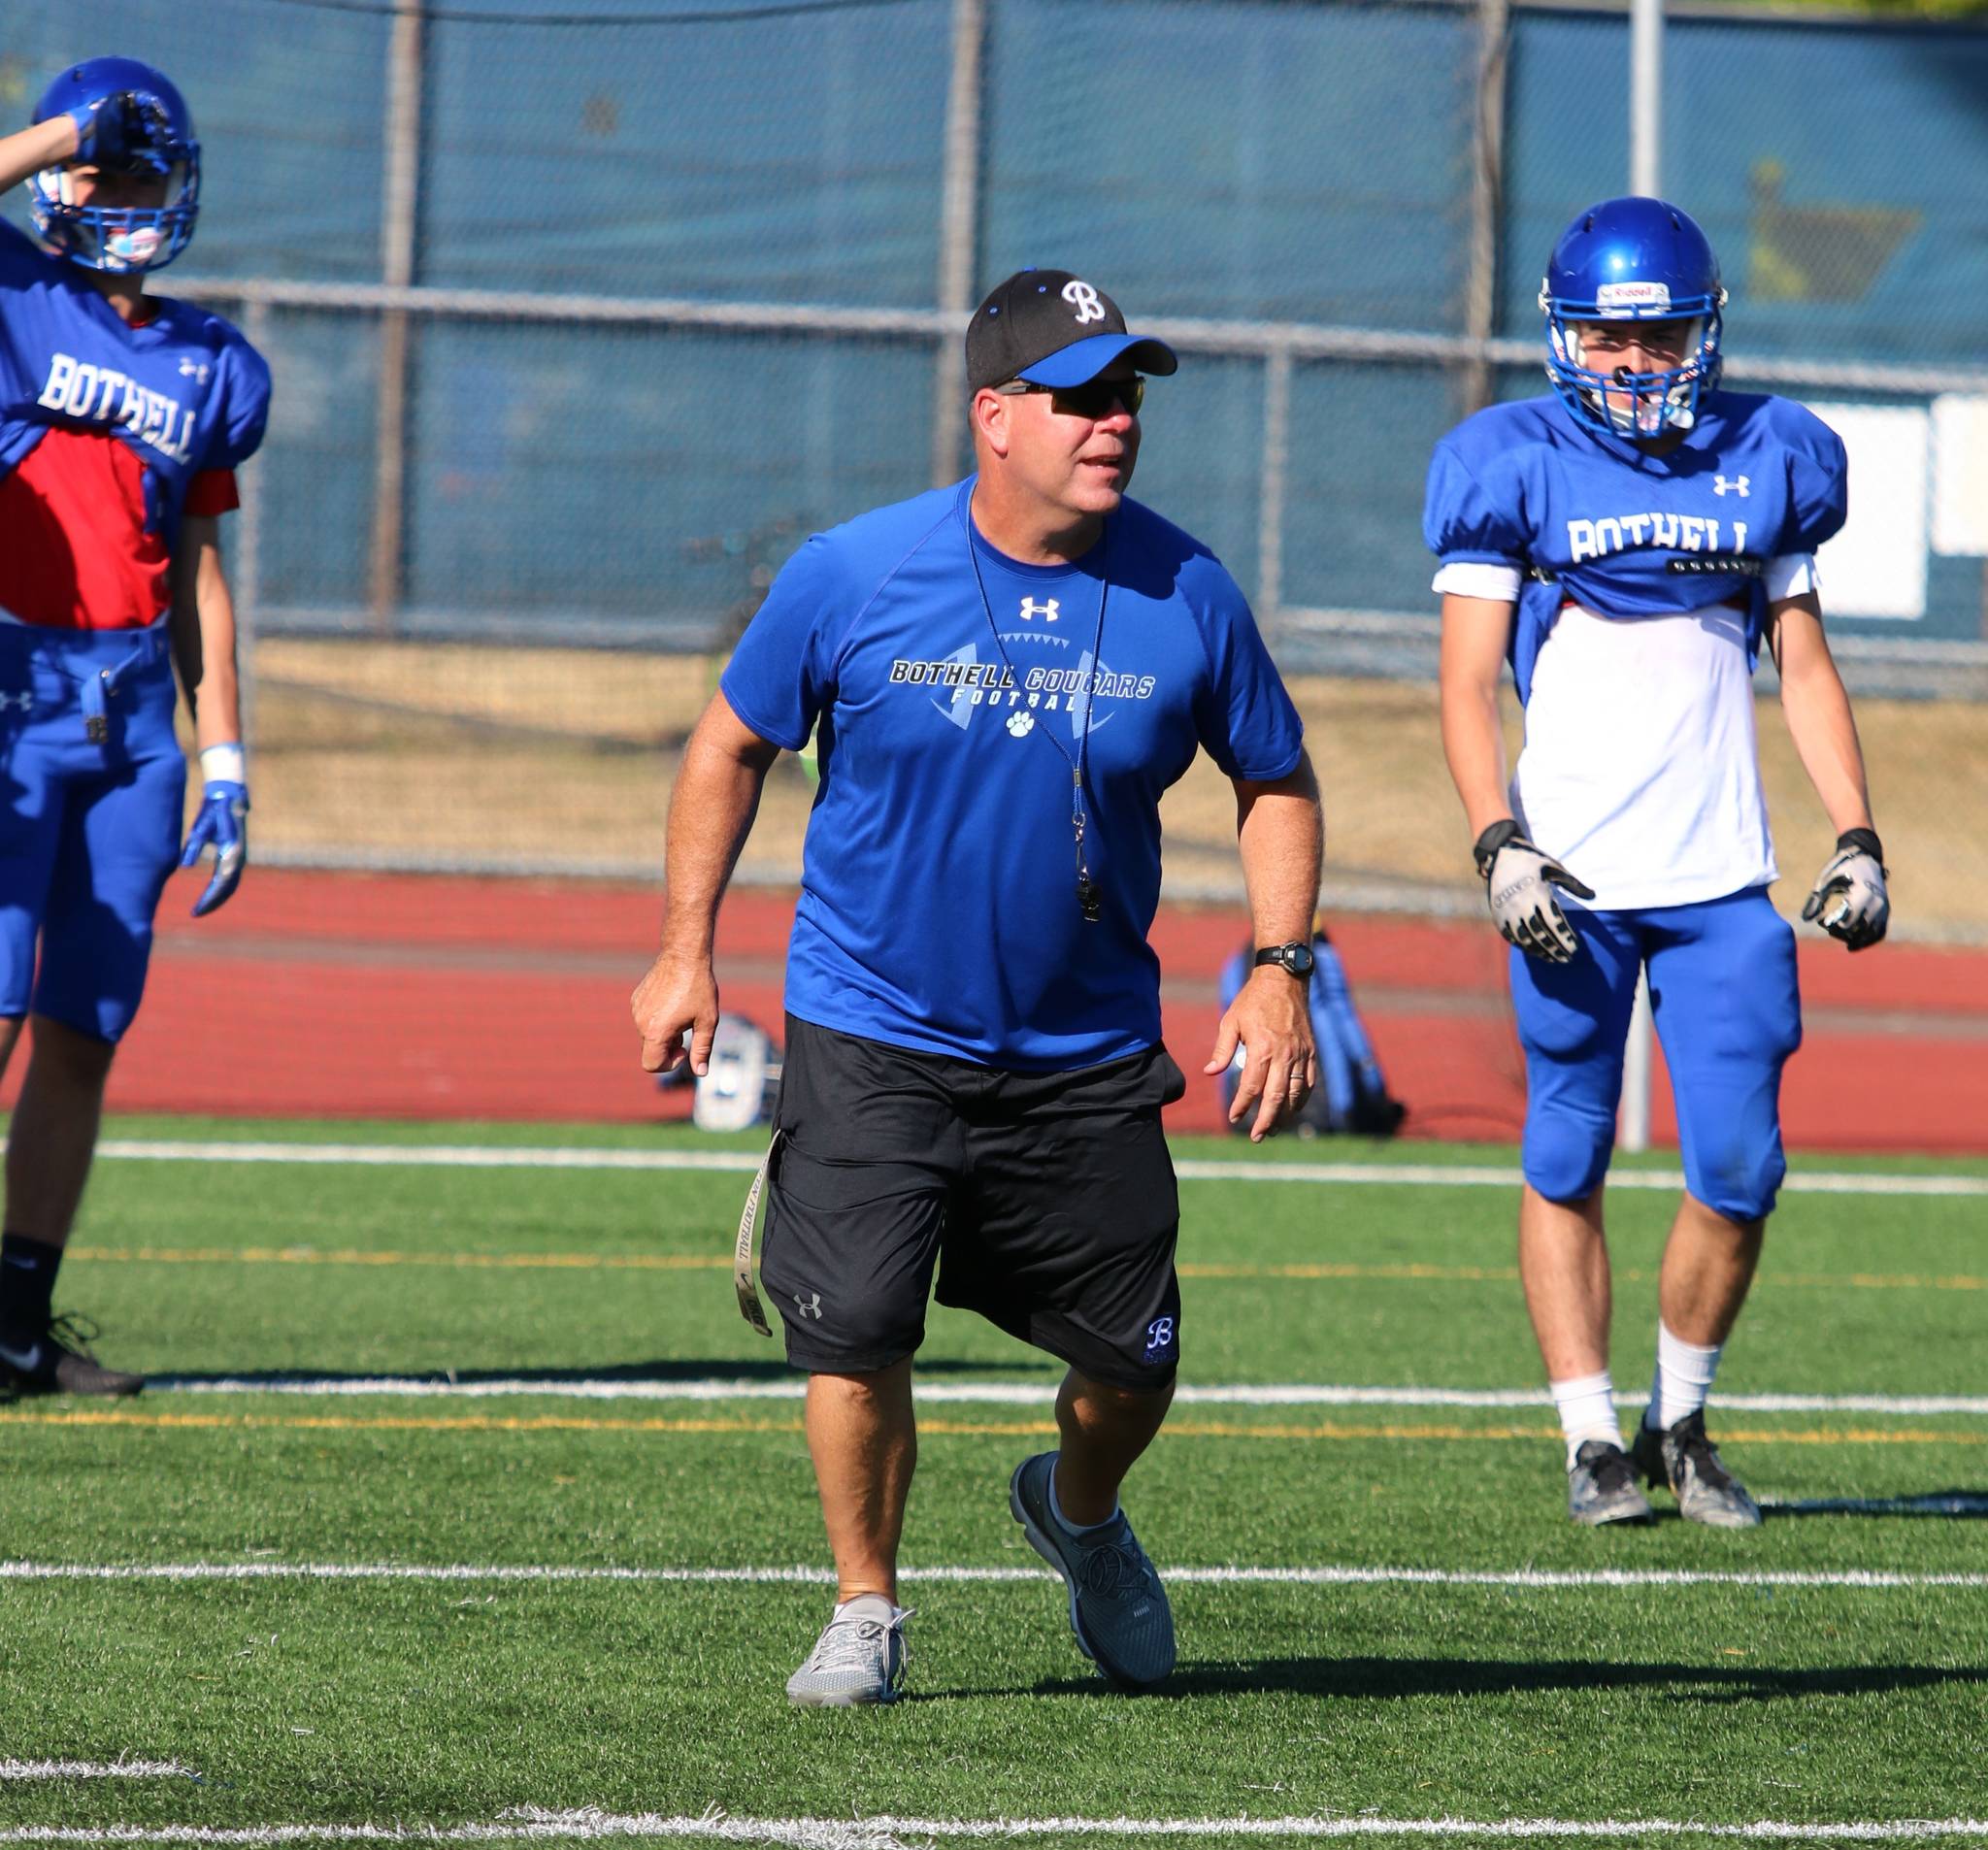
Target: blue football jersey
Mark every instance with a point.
(1596, 520)
(184, 392)
(952, 689)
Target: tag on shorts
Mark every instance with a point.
(749, 1306)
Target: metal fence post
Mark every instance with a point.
(1271, 493)
(1645, 144)
(1646, 96)
(246, 579)
(959, 228)
(399, 225)
(1487, 196)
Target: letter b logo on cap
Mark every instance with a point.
(1084, 300)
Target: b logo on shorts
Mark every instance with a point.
(1159, 1339)
(1084, 300)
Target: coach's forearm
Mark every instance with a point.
(710, 814)
(1281, 833)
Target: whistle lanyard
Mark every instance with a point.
(1090, 898)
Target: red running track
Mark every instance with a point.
(345, 995)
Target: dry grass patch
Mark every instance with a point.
(566, 756)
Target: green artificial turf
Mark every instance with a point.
(299, 1702)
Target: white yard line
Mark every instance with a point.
(1016, 1393)
(1536, 1579)
(746, 1163)
(90, 1768)
(888, 1833)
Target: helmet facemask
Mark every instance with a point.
(1639, 406)
(1636, 406)
(123, 239)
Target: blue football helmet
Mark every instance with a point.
(1632, 259)
(129, 119)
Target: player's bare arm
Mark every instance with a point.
(201, 621)
(711, 813)
(1817, 709)
(1518, 879)
(1475, 633)
(1279, 829)
(29, 150)
(203, 630)
(1849, 899)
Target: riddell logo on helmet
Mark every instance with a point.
(1629, 296)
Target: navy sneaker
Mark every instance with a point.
(57, 1360)
(1118, 1607)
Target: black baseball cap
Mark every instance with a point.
(1052, 328)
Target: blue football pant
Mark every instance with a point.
(1728, 1011)
(90, 827)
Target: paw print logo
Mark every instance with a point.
(1020, 725)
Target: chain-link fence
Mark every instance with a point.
(582, 319)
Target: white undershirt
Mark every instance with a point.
(1641, 771)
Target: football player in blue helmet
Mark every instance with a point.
(1627, 544)
(123, 418)
(134, 129)
(1632, 280)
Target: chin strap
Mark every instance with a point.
(749, 1306)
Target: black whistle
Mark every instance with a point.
(1090, 899)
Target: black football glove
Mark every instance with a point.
(1520, 883)
(123, 133)
(1848, 900)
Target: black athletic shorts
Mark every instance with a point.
(1046, 1201)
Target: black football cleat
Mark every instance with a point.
(1601, 1487)
(1683, 1457)
(57, 1360)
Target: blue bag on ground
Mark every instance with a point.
(1351, 1095)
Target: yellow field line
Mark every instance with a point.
(353, 1256)
(1409, 1271)
(1002, 1429)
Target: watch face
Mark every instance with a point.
(1298, 959)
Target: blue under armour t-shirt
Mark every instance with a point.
(939, 907)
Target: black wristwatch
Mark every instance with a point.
(1295, 957)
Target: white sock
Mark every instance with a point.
(874, 1607)
(1076, 1528)
(1683, 1379)
(1586, 1405)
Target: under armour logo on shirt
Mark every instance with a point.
(1084, 300)
(809, 1305)
(1049, 608)
(24, 700)
(1729, 485)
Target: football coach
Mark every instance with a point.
(1002, 676)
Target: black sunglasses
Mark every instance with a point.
(1095, 399)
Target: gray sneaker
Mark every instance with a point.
(1683, 1457)
(859, 1657)
(1601, 1487)
(1118, 1607)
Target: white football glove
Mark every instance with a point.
(1848, 900)
(1520, 883)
